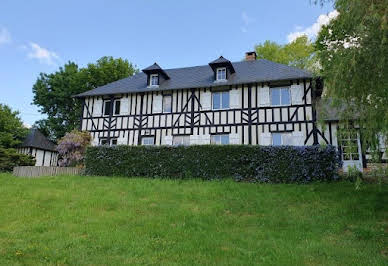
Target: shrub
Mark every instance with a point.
(9, 158)
(244, 163)
(71, 148)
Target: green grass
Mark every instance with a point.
(111, 221)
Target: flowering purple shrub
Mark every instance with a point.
(72, 147)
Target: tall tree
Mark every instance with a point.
(352, 51)
(12, 131)
(299, 53)
(53, 92)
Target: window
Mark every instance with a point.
(116, 107)
(221, 73)
(221, 100)
(107, 108)
(167, 105)
(219, 139)
(181, 141)
(349, 144)
(147, 141)
(277, 139)
(280, 96)
(105, 142)
(154, 80)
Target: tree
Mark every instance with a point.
(53, 92)
(12, 131)
(72, 147)
(299, 53)
(352, 51)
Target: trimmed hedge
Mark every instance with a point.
(278, 164)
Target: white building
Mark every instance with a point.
(253, 102)
(39, 147)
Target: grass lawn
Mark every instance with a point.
(110, 221)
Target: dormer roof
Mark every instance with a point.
(222, 62)
(155, 69)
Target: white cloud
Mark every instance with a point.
(314, 29)
(43, 55)
(26, 125)
(5, 36)
(247, 20)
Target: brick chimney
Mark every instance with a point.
(249, 56)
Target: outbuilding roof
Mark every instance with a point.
(203, 76)
(35, 139)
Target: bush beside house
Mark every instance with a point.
(278, 164)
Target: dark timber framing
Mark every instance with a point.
(188, 118)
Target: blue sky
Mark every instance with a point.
(39, 36)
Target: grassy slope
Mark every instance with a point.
(94, 220)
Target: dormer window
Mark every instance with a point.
(221, 73)
(154, 80)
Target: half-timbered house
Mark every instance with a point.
(255, 102)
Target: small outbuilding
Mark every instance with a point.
(40, 147)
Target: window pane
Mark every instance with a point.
(276, 139)
(224, 139)
(167, 108)
(225, 99)
(103, 141)
(117, 107)
(114, 142)
(154, 80)
(181, 140)
(107, 108)
(215, 139)
(275, 96)
(147, 141)
(286, 96)
(216, 100)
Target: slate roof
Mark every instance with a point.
(219, 60)
(203, 76)
(36, 139)
(155, 66)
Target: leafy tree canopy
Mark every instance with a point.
(352, 51)
(299, 53)
(53, 92)
(12, 131)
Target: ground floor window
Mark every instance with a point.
(277, 139)
(348, 139)
(181, 140)
(112, 142)
(219, 139)
(147, 141)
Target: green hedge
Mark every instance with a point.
(9, 158)
(242, 162)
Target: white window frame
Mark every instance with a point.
(182, 138)
(148, 138)
(280, 88)
(111, 141)
(220, 92)
(212, 141)
(219, 70)
(163, 105)
(114, 107)
(151, 79)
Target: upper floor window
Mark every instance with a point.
(221, 73)
(116, 107)
(167, 103)
(181, 141)
(154, 80)
(147, 141)
(280, 96)
(219, 139)
(221, 100)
